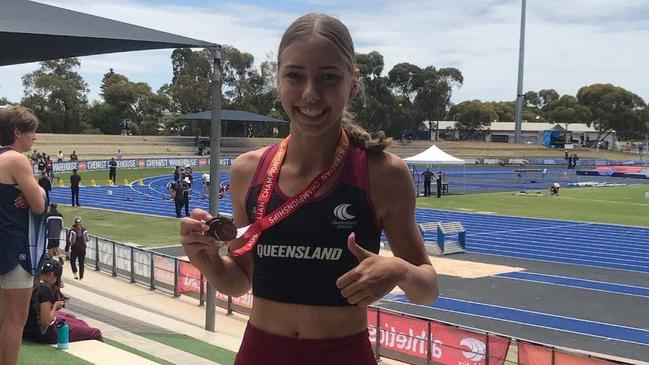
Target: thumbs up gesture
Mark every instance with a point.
(374, 277)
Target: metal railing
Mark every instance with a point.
(393, 334)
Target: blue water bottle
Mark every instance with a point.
(62, 335)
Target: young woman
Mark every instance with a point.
(19, 193)
(323, 196)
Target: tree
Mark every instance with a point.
(567, 110)
(239, 75)
(473, 118)
(57, 95)
(134, 101)
(614, 108)
(190, 89)
(374, 108)
(5, 101)
(433, 99)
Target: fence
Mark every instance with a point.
(394, 335)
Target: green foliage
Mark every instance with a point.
(567, 110)
(614, 108)
(134, 102)
(473, 118)
(190, 89)
(57, 95)
(5, 101)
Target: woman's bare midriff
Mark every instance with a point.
(307, 321)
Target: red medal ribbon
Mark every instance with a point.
(263, 221)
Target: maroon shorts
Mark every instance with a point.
(261, 347)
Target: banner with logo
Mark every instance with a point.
(189, 281)
(530, 354)
(98, 165)
(449, 345)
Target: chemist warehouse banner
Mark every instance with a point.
(141, 163)
(407, 338)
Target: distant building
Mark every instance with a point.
(534, 133)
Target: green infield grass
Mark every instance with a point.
(126, 227)
(38, 353)
(193, 346)
(101, 177)
(137, 352)
(619, 205)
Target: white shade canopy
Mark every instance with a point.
(434, 155)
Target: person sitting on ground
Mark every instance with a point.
(554, 189)
(45, 312)
(73, 156)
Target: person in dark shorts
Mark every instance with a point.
(22, 208)
(427, 181)
(54, 228)
(318, 203)
(76, 245)
(75, 183)
(112, 170)
(177, 194)
(45, 183)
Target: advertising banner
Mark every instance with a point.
(449, 345)
(98, 165)
(530, 354)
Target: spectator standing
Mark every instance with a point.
(427, 175)
(54, 229)
(574, 158)
(41, 164)
(49, 167)
(119, 154)
(187, 187)
(59, 156)
(45, 312)
(75, 182)
(177, 173)
(22, 204)
(45, 183)
(112, 170)
(177, 193)
(73, 156)
(439, 180)
(76, 245)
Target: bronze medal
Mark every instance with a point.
(222, 228)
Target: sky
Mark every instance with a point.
(569, 43)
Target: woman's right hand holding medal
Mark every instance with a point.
(200, 247)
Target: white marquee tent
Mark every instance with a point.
(433, 156)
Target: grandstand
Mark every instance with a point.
(99, 146)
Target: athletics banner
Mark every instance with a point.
(530, 354)
(448, 344)
(140, 163)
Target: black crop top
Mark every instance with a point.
(299, 259)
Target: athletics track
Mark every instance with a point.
(597, 248)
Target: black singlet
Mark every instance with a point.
(299, 259)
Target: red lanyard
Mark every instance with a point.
(263, 221)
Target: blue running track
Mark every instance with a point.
(588, 244)
(537, 319)
(577, 283)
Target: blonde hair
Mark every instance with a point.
(337, 33)
(14, 117)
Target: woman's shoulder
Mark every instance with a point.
(245, 165)
(386, 164)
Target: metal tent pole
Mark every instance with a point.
(215, 159)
